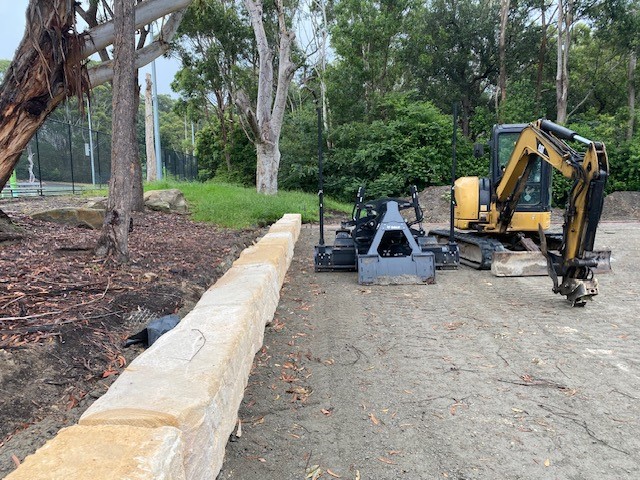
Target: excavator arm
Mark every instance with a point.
(589, 172)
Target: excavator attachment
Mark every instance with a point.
(394, 256)
(530, 264)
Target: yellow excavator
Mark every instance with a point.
(500, 221)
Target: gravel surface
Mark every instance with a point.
(475, 377)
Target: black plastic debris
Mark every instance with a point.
(154, 330)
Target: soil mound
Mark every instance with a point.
(435, 203)
(622, 206)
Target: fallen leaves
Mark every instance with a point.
(453, 325)
(299, 393)
(458, 404)
(313, 472)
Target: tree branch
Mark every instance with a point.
(102, 35)
(104, 72)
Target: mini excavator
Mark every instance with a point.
(500, 221)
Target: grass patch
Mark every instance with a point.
(238, 207)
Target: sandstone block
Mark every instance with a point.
(193, 377)
(271, 254)
(107, 452)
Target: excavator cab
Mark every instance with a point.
(474, 195)
(536, 196)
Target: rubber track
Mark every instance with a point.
(465, 241)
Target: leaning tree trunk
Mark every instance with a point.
(38, 78)
(50, 65)
(113, 242)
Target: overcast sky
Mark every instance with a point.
(12, 16)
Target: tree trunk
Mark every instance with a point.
(221, 112)
(504, 16)
(565, 19)
(631, 91)
(49, 66)
(267, 171)
(113, 242)
(152, 174)
(137, 192)
(542, 53)
(265, 122)
(38, 79)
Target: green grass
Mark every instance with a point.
(238, 207)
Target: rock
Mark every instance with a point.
(76, 217)
(97, 202)
(170, 201)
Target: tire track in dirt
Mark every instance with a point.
(473, 377)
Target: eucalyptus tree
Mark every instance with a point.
(618, 23)
(367, 37)
(216, 49)
(452, 53)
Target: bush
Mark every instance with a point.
(407, 143)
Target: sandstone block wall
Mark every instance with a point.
(170, 413)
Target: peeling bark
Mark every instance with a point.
(38, 78)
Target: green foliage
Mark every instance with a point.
(212, 154)
(237, 207)
(409, 143)
(299, 147)
(520, 105)
(624, 156)
(366, 37)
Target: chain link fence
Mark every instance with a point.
(63, 158)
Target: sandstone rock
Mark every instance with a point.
(76, 217)
(171, 201)
(107, 452)
(97, 202)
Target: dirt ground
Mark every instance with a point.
(64, 315)
(475, 377)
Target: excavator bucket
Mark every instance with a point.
(529, 264)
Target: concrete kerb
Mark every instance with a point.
(173, 408)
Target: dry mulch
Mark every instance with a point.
(65, 314)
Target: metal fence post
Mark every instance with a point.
(39, 167)
(98, 155)
(73, 185)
